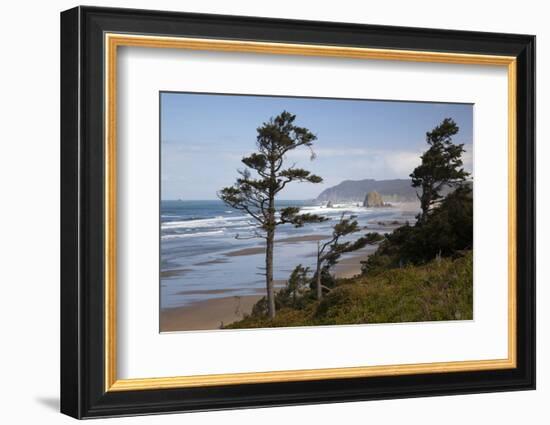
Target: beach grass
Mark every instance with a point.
(439, 290)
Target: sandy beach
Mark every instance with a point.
(351, 266)
(205, 315)
(213, 313)
(261, 249)
(222, 282)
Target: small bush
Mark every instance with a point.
(439, 290)
(447, 230)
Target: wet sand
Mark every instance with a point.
(261, 249)
(206, 263)
(305, 238)
(174, 272)
(211, 314)
(245, 251)
(227, 308)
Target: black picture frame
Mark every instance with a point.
(83, 392)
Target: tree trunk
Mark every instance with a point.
(425, 201)
(318, 274)
(269, 273)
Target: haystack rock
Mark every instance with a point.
(373, 199)
(329, 204)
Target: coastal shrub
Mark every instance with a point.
(439, 290)
(327, 280)
(445, 232)
(286, 317)
(295, 294)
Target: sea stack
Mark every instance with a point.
(373, 199)
(329, 204)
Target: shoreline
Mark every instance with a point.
(225, 306)
(351, 266)
(261, 249)
(212, 313)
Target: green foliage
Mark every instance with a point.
(330, 252)
(255, 194)
(441, 165)
(447, 231)
(445, 226)
(292, 215)
(439, 290)
(265, 177)
(297, 287)
(327, 280)
(295, 294)
(418, 273)
(372, 238)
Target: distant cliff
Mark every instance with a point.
(398, 190)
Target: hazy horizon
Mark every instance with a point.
(204, 136)
(278, 199)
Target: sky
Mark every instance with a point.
(204, 137)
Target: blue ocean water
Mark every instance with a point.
(202, 243)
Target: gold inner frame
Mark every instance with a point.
(113, 41)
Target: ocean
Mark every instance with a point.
(207, 250)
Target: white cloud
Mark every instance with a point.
(334, 164)
(402, 163)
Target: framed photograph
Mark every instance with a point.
(261, 212)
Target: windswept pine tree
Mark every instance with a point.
(420, 272)
(441, 166)
(329, 252)
(266, 175)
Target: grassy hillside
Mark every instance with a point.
(438, 290)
